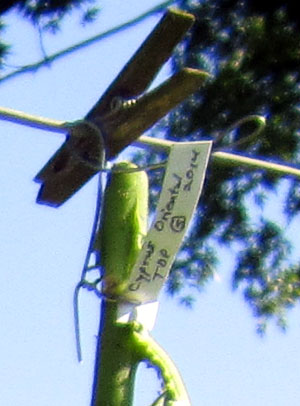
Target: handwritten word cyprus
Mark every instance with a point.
(144, 274)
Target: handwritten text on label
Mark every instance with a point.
(180, 192)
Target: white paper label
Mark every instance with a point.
(181, 189)
(144, 313)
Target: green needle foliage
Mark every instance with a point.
(254, 56)
(4, 48)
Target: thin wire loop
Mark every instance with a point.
(255, 118)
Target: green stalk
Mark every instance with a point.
(149, 350)
(121, 348)
(116, 361)
(117, 244)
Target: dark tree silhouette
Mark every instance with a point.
(252, 51)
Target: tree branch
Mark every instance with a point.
(73, 48)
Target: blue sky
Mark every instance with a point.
(222, 360)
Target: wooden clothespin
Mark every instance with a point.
(122, 114)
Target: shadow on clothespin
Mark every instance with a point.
(123, 113)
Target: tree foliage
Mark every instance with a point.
(45, 15)
(253, 53)
(39, 8)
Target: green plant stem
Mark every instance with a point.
(121, 347)
(116, 361)
(150, 351)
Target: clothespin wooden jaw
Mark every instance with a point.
(78, 159)
(123, 113)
